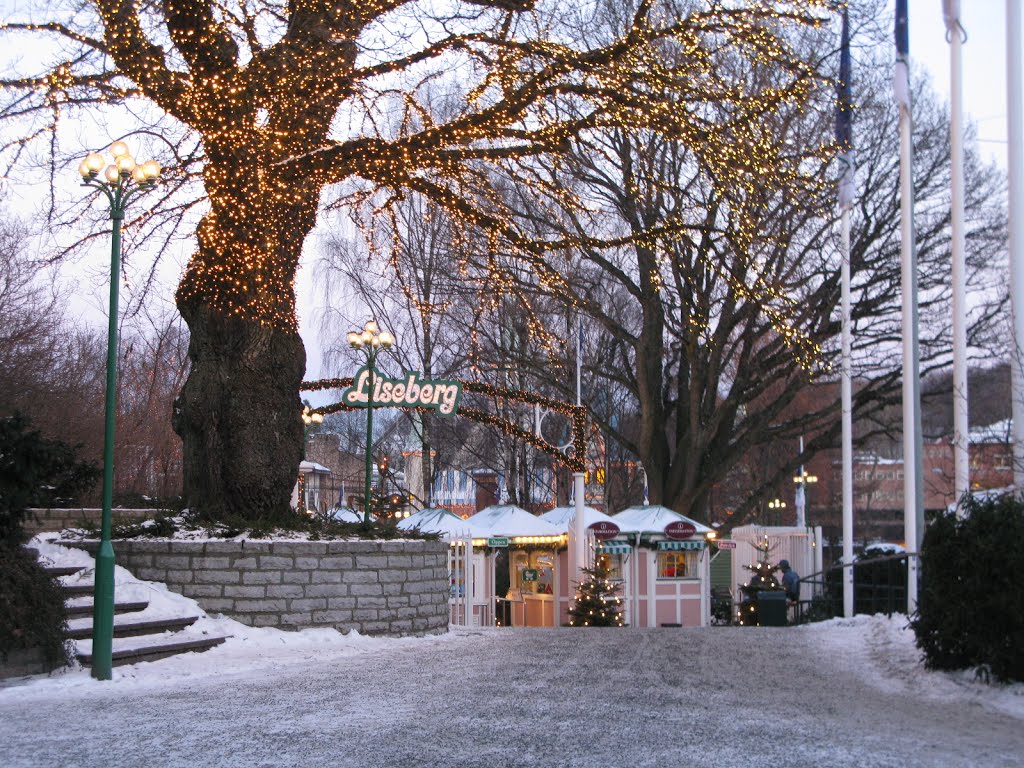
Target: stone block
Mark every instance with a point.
(261, 577)
(325, 577)
(261, 606)
(262, 620)
(176, 561)
(360, 590)
(404, 613)
(296, 548)
(342, 603)
(374, 627)
(371, 602)
(332, 616)
(365, 614)
(202, 590)
(187, 547)
(336, 562)
(393, 575)
(243, 563)
(237, 590)
(295, 577)
(212, 562)
(400, 561)
(216, 577)
(228, 548)
(400, 625)
(360, 577)
(276, 561)
(307, 563)
(326, 590)
(285, 590)
(179, 577)
(310, 604)
(392, 589)
(255, 547)
(149, 574)
(371, 562)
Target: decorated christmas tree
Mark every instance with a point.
(597, 603)
(762, 579)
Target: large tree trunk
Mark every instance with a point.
(239, 412)
(238, 415)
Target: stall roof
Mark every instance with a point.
(510, 520)
(562, 517)
(652, 518)
(443, 522)
(346, 515)
(307, 467)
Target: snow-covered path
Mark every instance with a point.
(844, 693)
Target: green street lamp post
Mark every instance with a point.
(370, 341)
(310, 419)
(120, 181)
(776, 506)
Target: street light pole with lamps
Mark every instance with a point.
(776, 506)
(802, 480)
(121, 180)
(370, 341)
(310, 419)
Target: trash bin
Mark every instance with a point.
(771, 609)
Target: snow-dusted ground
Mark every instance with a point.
(845, 692)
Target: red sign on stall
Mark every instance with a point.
(680, 529)
(604, 530)
(726, 544)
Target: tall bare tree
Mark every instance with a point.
(286, 99)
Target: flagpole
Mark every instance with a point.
(847, 185)
(961, 425)
(1015, 176)
(913, 497)
(847, 403)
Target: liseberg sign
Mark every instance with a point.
(410, 391)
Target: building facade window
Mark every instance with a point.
(677, 564)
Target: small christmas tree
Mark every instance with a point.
(597, 603)
(762, 580)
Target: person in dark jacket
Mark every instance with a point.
(790, 581)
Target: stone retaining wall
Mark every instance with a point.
(375, 587)
(40, 520)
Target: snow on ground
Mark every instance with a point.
(850, 692)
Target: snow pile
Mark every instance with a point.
(883, 650)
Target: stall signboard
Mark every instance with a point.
(497, 541)
(529, 574)
(680, 529)
(410, 391)
(726, 544)
(604, 530)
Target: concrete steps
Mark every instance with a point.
(135, 639)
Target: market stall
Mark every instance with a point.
(534, 573)
(663, 562)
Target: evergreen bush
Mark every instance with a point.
(970, 602)
(32, 612)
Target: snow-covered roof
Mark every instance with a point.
(562, 517)
(652, 518)
(443, 522)
(346, 515)
(999, 432)
(311, 466)
(510, 520)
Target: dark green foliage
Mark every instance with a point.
(316, 527)
(597, 602)
(35, 472)
(32, 613)
(970, 601)
(762, 579)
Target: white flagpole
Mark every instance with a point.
(1015, 175)
(847, 407)
(913, 497)
(961, 426)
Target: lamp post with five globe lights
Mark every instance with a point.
(121, 180)
(370, 341)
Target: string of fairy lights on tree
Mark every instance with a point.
(264, 92)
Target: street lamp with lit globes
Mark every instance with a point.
(776, 506)
(802, 480)
(122, 178)
(310, 419)
(370, 341)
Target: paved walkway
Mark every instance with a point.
(714, 697)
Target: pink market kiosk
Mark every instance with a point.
(659, 557)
